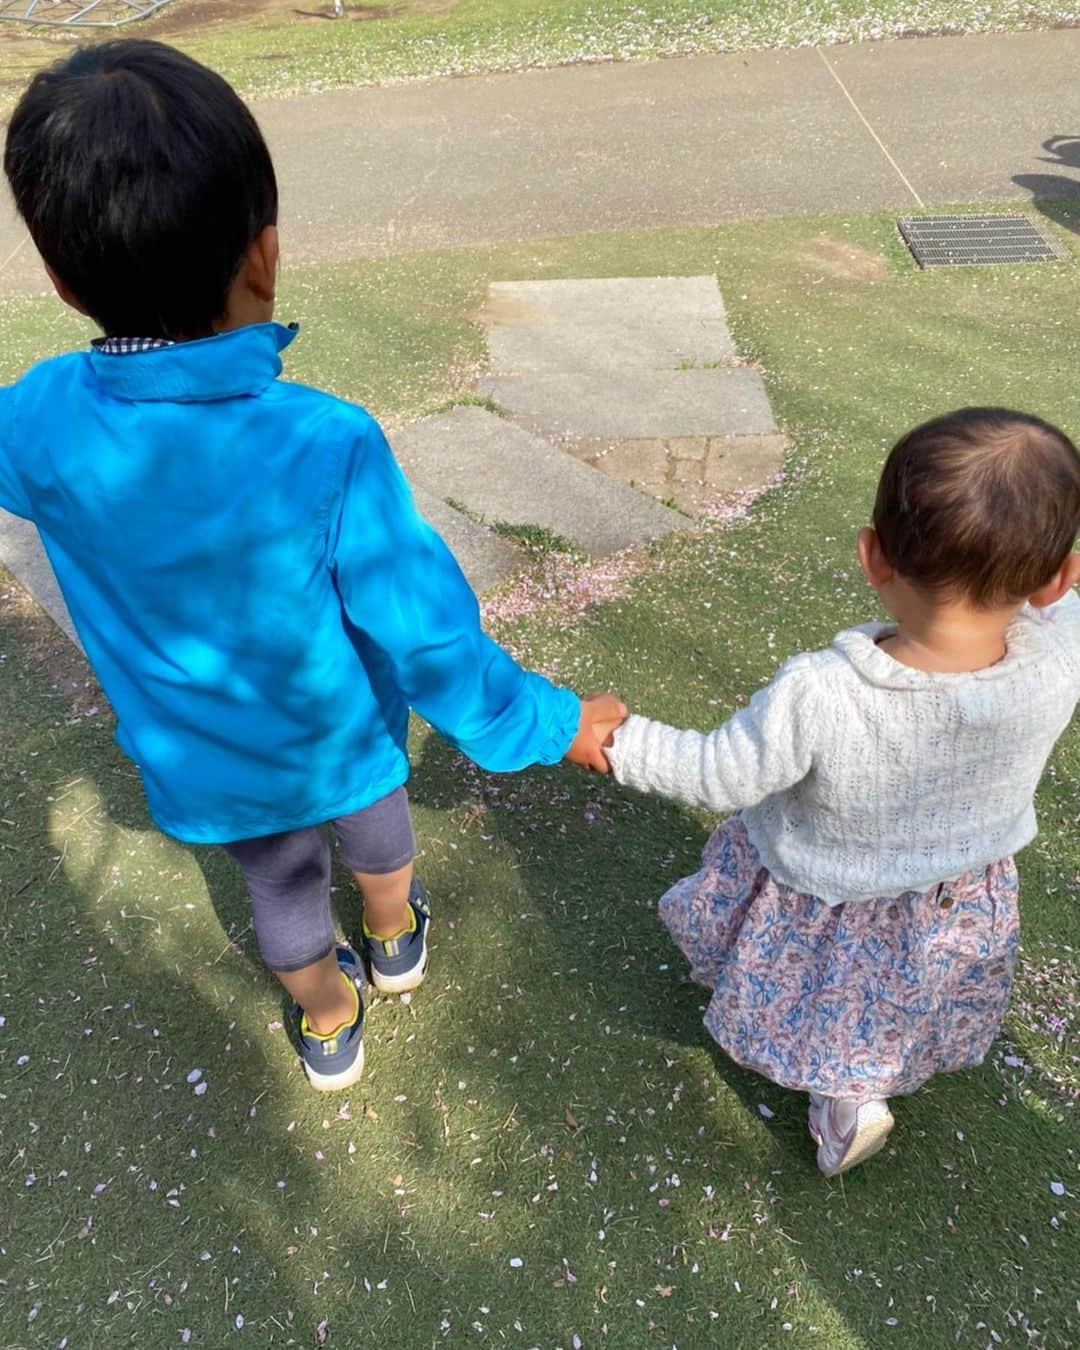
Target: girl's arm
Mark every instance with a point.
(767, 746)
(1063, 614)
(403, 590)
(1061, 621)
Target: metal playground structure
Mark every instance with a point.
(78, 14)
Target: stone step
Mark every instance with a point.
(635, 404)
(483, 556)
(500, 472)
(605, 323)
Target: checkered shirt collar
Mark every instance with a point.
(128, 346)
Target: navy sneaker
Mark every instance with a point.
(399, 963)
(337, 1061)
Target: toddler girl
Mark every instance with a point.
(856, 918)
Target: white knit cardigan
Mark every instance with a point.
(860, 777)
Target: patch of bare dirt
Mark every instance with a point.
(844, 261)
(185, 16)
(39, 46)
(367, 13)
(509, 311)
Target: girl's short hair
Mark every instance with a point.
(982, 503)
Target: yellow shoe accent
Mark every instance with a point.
(410, 927)
(305, 1029)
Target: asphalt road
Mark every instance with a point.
(693, 140)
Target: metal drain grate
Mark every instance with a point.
(977, 241)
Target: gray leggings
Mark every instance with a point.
(288, 876)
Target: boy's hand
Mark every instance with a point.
(601, 715)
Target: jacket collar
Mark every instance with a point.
(230, 365)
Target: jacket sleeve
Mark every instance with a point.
(764, 748)
(401, 586)
(12, 496)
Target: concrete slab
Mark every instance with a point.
(623, 373)
(694, 472)
(605, 323)
(633, 404)
(642, 464)
(23, 556)
(734, 463)
(483, 556)
(503, 473)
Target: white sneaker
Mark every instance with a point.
(847, 1133)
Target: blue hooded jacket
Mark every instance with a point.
(252, 583)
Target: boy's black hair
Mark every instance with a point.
(142, 179)
(983, 503)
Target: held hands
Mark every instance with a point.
(601, 716)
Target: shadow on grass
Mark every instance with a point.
(144, 1207)
(551, 1096)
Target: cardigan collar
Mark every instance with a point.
(860, 646)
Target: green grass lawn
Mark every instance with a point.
(550, 1096)
(270, 47)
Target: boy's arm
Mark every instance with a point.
(765, 747)
(401, 586)
(12, 496)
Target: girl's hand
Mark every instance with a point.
(601, 716)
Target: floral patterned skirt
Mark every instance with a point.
(860, 1000)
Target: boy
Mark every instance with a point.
(241, 556)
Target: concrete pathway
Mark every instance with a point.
(604, 324)
(636, 376)
(684, 141)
